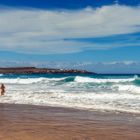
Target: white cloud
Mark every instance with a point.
(109, 67)
(130, 62)
(43, 31)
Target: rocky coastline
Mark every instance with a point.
(34, 70)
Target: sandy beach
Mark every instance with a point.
(27, 122)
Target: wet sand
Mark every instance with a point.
(27, 122)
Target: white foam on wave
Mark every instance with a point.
(103, 101)
(78, 79)
(97, 80)
(20, 80)
(28, 80)
(127, 88)
(116, 96)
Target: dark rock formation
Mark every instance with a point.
(34, 70)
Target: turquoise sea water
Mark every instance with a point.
(92, 92)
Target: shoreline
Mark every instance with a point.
(31, 122)
(108, 111)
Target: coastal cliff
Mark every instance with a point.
(34, 70)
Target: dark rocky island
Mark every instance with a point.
(34, 70)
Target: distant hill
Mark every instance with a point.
(34, 70)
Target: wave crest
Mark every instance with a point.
(97, 80)
(28, 80)
(78, 79)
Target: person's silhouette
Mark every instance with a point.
(2, 89)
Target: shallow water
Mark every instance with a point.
(92, 92)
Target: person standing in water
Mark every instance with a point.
(2, 89)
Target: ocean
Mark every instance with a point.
(117, 93)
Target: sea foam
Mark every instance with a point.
(98, 80)
(114, 93)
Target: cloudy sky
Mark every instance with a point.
(97, 35)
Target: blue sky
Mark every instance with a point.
(97, 35)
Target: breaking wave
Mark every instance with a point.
(115, 93)
(78, 79)
(97, 80)
(28, 80)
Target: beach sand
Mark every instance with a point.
(28, 122)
